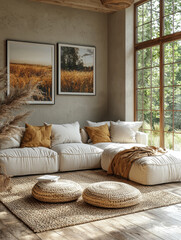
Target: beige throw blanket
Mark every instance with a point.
(123, 160)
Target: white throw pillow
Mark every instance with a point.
(66, 133)
(121, 133)
(133, 125)
(13, 140)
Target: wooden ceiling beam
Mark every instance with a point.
(91, 5)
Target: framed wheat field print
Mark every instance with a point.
(33, 63)
(76, 69)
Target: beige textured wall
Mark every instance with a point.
(31, 21)
(129, 64)
(116, 66)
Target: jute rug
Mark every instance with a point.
(46, 216)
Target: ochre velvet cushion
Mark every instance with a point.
(99, 134)
(35, 136)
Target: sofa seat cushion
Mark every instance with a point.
(25, 161)
(78, 156)
(149, 170)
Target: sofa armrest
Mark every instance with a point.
(142, 138)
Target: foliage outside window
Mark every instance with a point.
(158, 70)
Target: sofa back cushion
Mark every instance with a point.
(99, 134)
(122, 133)
(133, 125)
(66, 133)
(84, 135)
(97, 124)
(37, 136)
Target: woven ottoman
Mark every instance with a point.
(54, 192)
(111, 195)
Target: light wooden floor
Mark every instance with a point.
(161, 223)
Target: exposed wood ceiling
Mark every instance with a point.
(92, 5)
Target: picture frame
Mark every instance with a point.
(32, 61)
(76, 69)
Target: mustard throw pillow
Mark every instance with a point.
(99, 134)
(35, 136)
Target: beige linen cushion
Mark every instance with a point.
(97, 124)
(122, 133)
(133, 125)
(65, 133)
(110, 194)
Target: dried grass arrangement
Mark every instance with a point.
(10, 113)
(4, 179)
(11, 105)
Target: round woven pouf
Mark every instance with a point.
(60, 191)
(111, 195)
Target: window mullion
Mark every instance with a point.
(161, 77)
(161, 95)
(161, 18)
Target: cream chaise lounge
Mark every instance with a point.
(147, 170)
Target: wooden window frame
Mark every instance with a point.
(150, 43)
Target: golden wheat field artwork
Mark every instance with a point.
(76, 70)
(29, 63)
(21, 74)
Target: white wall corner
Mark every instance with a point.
(129, 64)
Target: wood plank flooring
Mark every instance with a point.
(160, 223)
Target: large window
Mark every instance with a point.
(158, 70)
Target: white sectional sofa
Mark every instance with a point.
(62, 157)
(79, 154)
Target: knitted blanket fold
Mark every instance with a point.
(123, 160)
